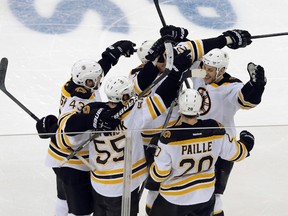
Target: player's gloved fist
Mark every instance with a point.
(240, 38)
(123, 47)
(247, 139)
(46, 126)
(257, 75)
(103, 120)
(182, 61)
(156, 50)
(177, 34)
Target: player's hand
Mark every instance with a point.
(156, 50)
(123, 47)
(240, 38)
(247, 139)
(47, 125)
(177, 34)
(257, 75)
(182, 61)
(103, 120)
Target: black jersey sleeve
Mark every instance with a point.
(212, 43)
(147, 75)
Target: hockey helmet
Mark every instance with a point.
(84, 70)
(142, 51)
(118, 86)
(190, 102)
(216, 58)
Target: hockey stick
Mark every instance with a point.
(169, 65)
(127, 172)
(156, 3)
(269, 35)
(3, 70)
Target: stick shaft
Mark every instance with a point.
(269, 35)
(156, 2)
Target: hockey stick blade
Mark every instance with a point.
(3, 70)
(201, 73)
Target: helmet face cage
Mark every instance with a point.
(142, 51)
(216, 58)
(84, 70)
(190, 102)
(116, 87)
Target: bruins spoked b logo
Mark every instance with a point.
(206, 103)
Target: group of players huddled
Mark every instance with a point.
(184, 166)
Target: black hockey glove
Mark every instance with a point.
(182, 62)
(257, 75)
(123, 47)
(247, 139)
(46, 126)
(156, 50)
(240, 38)
(103, 120)
(177, 34)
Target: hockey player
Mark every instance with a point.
(224, 95)
(74, 191)
(185, 159)
(151, 55)
(107, 151)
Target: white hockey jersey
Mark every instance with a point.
(222, 101)
(107, 151)
(73, 99)
(185, 159)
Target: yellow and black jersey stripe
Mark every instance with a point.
(148, 134)
(244, 104)
(188, 184)
(61, 154)
(195, 46)
(157, 174)
(155, 106)
(62, 139)
(241, 152)
(115, 176)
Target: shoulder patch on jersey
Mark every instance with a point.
(81, 90)
(77, 91)
(167, 134)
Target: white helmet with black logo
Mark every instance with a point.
(216, 58)
(190, 102)
(142, 51)
(118, 86)
(84, 70)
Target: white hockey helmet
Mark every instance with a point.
(190, 102)
(118, 86)
(86, 69)
(142, 51)
(216, 58)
